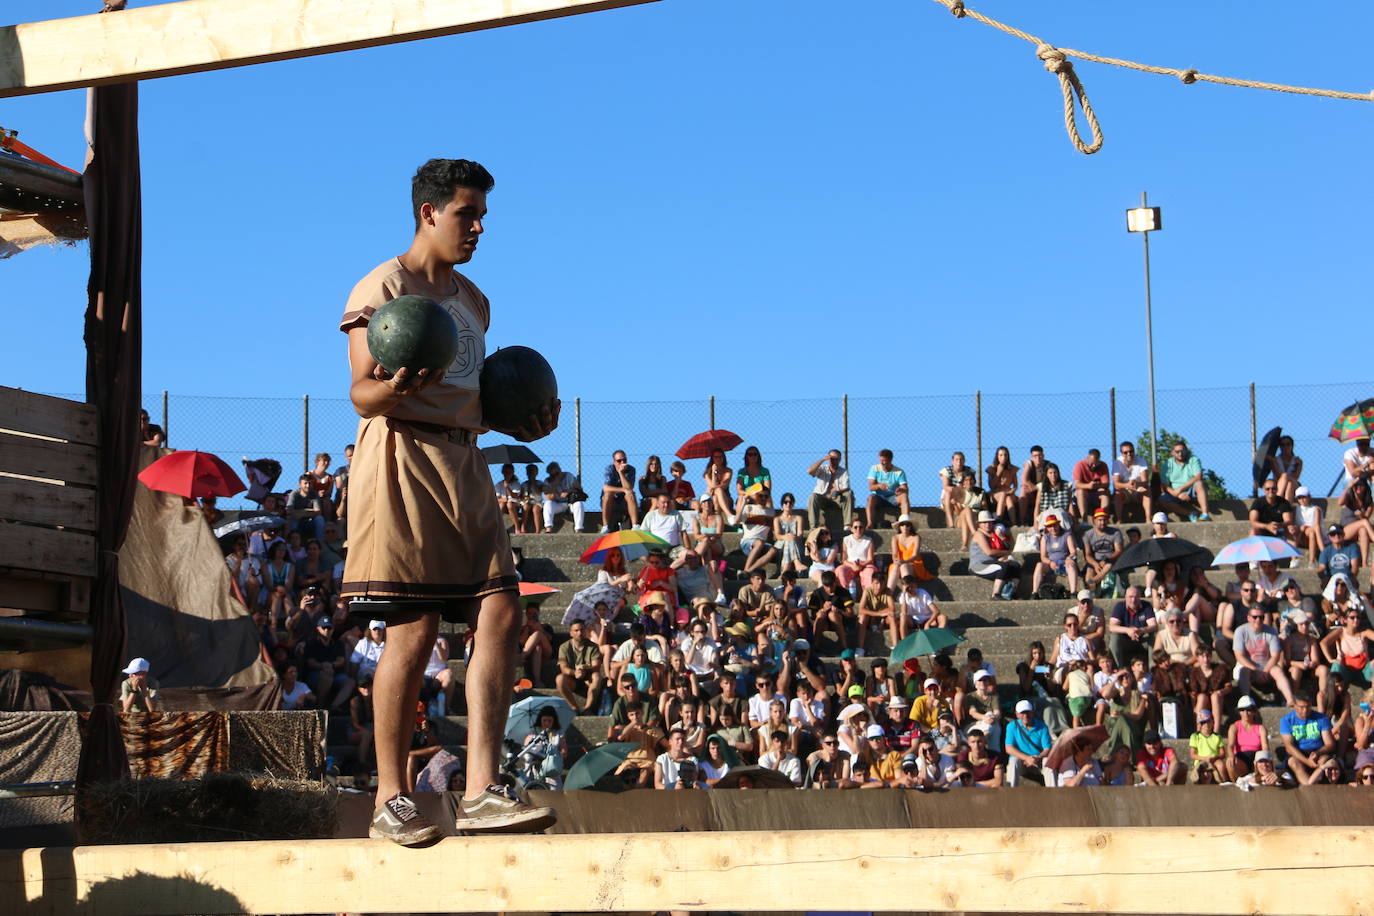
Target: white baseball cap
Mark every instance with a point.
(376, 624)
(930, 682)
(982, 675)
(875, 731)
(1160, 517)
(137, 666)
(1246, 702)
(1302, 491)
(1024, 706)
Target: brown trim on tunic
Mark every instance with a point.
(375, 589)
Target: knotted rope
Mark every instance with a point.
(1057, 62)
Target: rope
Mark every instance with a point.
(1057, 62)
(9, 141)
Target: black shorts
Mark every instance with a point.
(452, 610)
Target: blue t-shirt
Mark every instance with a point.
(1338, 561)
(888, 480)
(1029, 741)
(613, 479)
(1307, 733)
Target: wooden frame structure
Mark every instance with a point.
(1310, 870)
(193, 36)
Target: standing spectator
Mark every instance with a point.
(1058, 552)
(1306, 737)
(1181, 484)
(887, 486)
(990, 557)
(718, 477)
(1157, 765)
(138, 692)
(1092, 483)
(508, 498)
(1131, 477)
(341, 484)
(1259, 657)
(1272, 515)
(856, 557)
(1054, 495)
(831, 492)
(618, 501)
(952, 479)
(753, 480)
(1032, 477)
(1002, 481)
(561, 492)
(1027, 742)
(651, 484)
(1286, 468)
(1131, 628)
(1101, 546)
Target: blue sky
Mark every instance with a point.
(875, 198)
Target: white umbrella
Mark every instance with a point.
(583, 604)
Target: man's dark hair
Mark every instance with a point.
(678, 731)
(304, 477)
(778, 735)
(1305, 696)
(1126, 442)
(1037, 448)
(436, 180)
(828, 578)
(885, 453)
(636, 629)
(1095, 453)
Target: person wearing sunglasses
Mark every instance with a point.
(1182, 484)
(1259, 656)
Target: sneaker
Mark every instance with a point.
(401, 822)
(721, 599)
(501, 810)
(605, 529)
(1193, 517)
(1204, 517)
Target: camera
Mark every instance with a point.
(910, 763)
(687, 772)
(313, 591)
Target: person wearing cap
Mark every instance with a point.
(1340, 556)
(1092, 483)
(1267, 774)
(1157, 765)
(1027, 742)
(1131, 480)
(925, 712)
(1208, 748)
(885, 768)
(138, 692)
(1272, 516)
(368, 650)
(983, 708)
(325, 659)
(1246, 737)
(1308, 523)
(990, 557)
(1102, 544)
(1181, 484)
(1058, 555)
(887, 486)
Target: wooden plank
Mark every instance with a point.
(57, 597)
(48, 459)
(1312, 870)
(47, 550)
(47, 504)
(197, 35)
(43, 415)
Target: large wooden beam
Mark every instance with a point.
(196, 35)
(1311, 870)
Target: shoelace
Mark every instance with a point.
(504, 791)
(403, 808)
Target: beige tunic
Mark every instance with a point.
(422, 515)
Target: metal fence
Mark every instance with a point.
(1221, 425)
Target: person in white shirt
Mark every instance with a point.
(1358, 461)
(559, 487)
(368, 650)
(831, 491)
(699, 650)
(665, 522)
(1131, 477)
(669, 766)
(780, 759)
(294, 694)
(916, 609)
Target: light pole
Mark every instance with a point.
(1146, 219)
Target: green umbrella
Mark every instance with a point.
(596, 763)
(924, 642)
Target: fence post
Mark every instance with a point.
(577, 434)
(166, 441)
(1254, 443)
(844, 419)
(978, 424)
(1111, 446)
(712, 412)
(305, 437)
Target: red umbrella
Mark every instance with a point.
(703, 444)
(193, 475)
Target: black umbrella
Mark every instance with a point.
(510, 454)
(1157, 550)
(761, 777)
(1268, 447)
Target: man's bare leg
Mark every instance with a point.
(395, 691)
(490, 675)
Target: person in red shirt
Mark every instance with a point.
(1092, 483)
(1158, 765)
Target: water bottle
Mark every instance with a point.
(331, 770)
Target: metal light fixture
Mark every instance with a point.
(1146, 219)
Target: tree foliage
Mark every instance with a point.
(1215, 483)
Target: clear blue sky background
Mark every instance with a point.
(879, 194)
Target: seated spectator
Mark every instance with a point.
(680, 491)
(1101, 546)
(876, 609)
(1208, 748)
(508, 495)
(294, 693)
(1092, 484)
(756, 535)
(561, 492)
(1286, 469)
(1027, 742)
(1347, 649)
(984, 710)
(531, 499)
(305, 509)
(1358, 462)
(1209, 683)
(776, 723)
(279, 574)
(1058, 555)
(827, 768)
(856, 560)
(247, 572)
(671, 769)
(750, 599)
(1306, 737)
(925, 712)
(314, 572)
(1308, 668)
(1339, 597)
(707, 528)
(638, 640)
(664, 521)
(1032, 478)
(579, 669)
(753, 480)
(657, 577)
(536, 645)
(651, 484)
(1266, 773)
(360, 721)
(779, 758)
(1259, 657)
(933, 769)
(1157, 765)
(831, 492)
(906, 556)
(630, 699)
(1201, 600)
(1340, 556)
(714, 764)
(1002, 483)
(1182, 485)
(806, 716)
(952, 479)
(966, 501)
(822, 552)
(735, 734)
(718, 477)
(1078, 767)
(916, 609)
(1131, 478)
(1054, 497)
(618, 500)
(1271, 582)
(887, 486)
(832, 608)
(1308, 525)
(368, 651)
(1272, 516)
(990, 557)
(789, 536)
(984, 765)
(1119, 768)
(1131, 629)
(695, 582)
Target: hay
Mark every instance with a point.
(221, 806)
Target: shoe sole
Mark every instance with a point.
(534, 820)
(418, 838)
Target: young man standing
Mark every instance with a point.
(425, 534)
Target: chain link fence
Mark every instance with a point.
(1221, 425)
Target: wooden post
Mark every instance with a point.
(844, 411)
(193, 36)
(1111, 407)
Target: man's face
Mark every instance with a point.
(633, 714)
(1127, 454)
(885, 462)
(1270, 493)
(1037, 456)
(834, 458)
(727, 686)
(1181, 453)
(618, 459)
(454, 229)
(764, 686)
(305, 486)
(1100, 522)
(531, 472)
(661, 502)
(727, 718)
(897, 714)
(1154, 748)
(1133, 598)
(576, 630)
(1302, 707)
(987, 686)
(1338, 537)
(675, 743)
(289, 675)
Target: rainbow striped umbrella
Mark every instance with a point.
(1253, 549)
(633, 543)
(1355, 422)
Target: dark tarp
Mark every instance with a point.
(114, 380)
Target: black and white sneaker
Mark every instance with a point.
(500, 809)
(401, 822)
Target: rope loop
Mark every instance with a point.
(957, 8)
(1055, 60)
(1188, 76)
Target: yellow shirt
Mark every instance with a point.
(926, 712)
